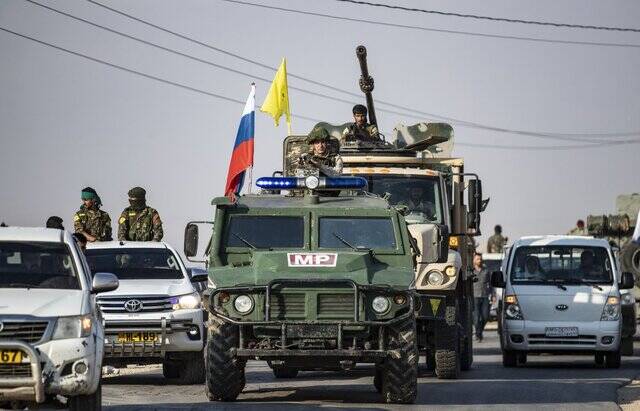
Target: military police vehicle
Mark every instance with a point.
(310, 282)
(416, 170)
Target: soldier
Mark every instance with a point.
(496, 242)
(321, 158)
(139, 222)
(89, 220)
(360, 130)
(54, 222)
(578, 229)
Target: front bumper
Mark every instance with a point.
(50, 368)
(532, 335)
(172, 330)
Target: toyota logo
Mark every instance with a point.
(561, 307)
(133, 306)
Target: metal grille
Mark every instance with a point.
(15, 370)
(541, 339)
(148, 304)
(335, 306)
(287, 305)
(27, 331)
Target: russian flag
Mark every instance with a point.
(242, 156)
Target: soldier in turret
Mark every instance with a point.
(320, 157)
(139, 222)
(360, 130)
(89, 220)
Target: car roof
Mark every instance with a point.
(324, 202)
(574, 240)
(40, 234)
(492, 256)
(101, 245)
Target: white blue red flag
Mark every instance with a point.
(242, 156)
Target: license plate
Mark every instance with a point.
(561, 331)
(137, 337)
(312, 331)
(11, 356)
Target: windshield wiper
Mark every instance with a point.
(345, 242)
(244, 241)
(558, 283)
(21, 285)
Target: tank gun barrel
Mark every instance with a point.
(366, 82)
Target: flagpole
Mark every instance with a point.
(253, 90)
(250, 180)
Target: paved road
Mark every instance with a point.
(554, 383)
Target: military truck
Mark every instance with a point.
(320, 280)
(419, 158)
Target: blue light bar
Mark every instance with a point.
(274, 183)
(345, 182)
(311, 182)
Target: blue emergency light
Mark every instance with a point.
(311, 182)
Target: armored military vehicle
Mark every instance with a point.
(310, 282)
(415, 169)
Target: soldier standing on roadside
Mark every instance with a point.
(360, 130)
(90, 221)
(321, 158)
(139, 222)
(496, 242)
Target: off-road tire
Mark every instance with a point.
(400, 375)
(612, 359)
(91, 402)
(191, 368)
(630, 260)
(509, 358)
(225, 377)
(377, 378)
(170, 369)
(285, 372)
(466, 344)
(448, 346)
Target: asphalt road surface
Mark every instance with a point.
(554, 383)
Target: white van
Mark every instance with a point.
(561, 295)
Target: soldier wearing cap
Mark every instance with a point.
(320, 157)
(360, 130)
(89, 220)
(139, 222)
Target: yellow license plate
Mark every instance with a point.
(11, 356)
(137, 337)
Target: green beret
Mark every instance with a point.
(137, 192)
(88, 193)
(318, 134)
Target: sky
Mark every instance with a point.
(67, 122)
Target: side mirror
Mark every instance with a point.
(627, 281)
(443, 243)
(191, 240)
(103, 282)
(475, 204)
(497, 280)
(198, 275)
(431, 242)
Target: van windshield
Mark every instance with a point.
(561, 264)
(37, 265)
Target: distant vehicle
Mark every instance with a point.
(493, 262)
(561, 295)
(156, 315)
(51, 334)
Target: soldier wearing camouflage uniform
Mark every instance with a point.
(360, 130)
(496, 242)
(320, 160)
(139, 222)
(89, 220)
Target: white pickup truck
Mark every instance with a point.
(51, 334)
(156, 315)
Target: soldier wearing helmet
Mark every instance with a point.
(360, 130)
(320, 159)
(139, 222)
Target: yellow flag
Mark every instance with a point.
(277, 101)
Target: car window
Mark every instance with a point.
(135, 263)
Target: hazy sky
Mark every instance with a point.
(67, 122)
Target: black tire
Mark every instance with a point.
(225, 377)
(630, 260)
(466, 344)
(285, 372)
(626, 346)
(400, 375)
(612, 359)
(170, 370)
(191, 369)
(430, 360)
(509, 358)
(91, 402)
(377, 378)
(599, 358)
(522, 358)
(448, 346)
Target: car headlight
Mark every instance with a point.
(512, 310)
(380, 304)
(450, 271)
(611, 310)
(72, 327)
(243, 304)
(184, 302)
(435, 278)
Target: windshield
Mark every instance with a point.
(366, 232)
(420, 194)
(561, 264)
(37, 265)
(265, 232)
(135, 263)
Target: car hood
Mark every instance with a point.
(42, 302)
(151, 287)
